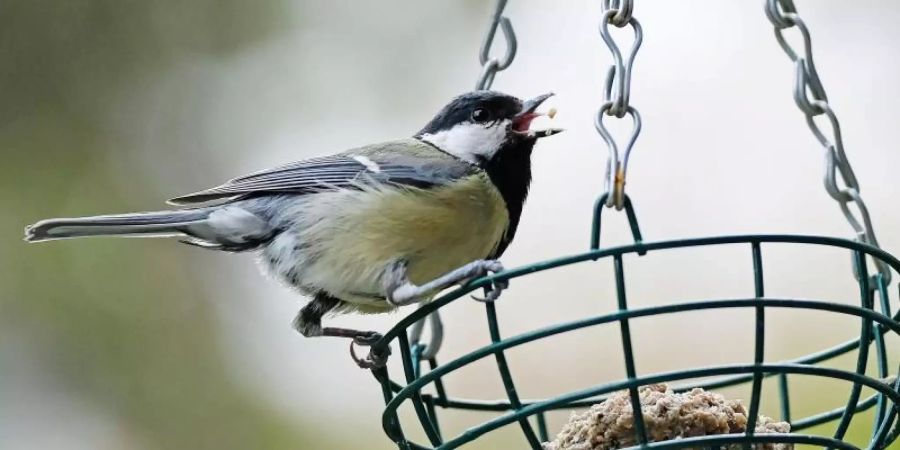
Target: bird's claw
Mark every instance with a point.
(492, 293)
(373, 360)
(367, 338)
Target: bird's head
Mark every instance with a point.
(481, 125)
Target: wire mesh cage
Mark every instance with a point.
(421, 382)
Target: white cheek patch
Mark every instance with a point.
(471, 141)
(372, 166)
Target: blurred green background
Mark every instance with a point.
(110, 106)
(103, 335)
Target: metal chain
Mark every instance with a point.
(490, 65)
(616, 96)
(809, 94)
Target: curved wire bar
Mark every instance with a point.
(874, 326)
(542, 333)
(637, 248)
(502, 405)
(545, 405)
(415, 386)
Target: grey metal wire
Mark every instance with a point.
(490, 65)
(617, 96)
(623, 9)
(809, 95)
(616, 168)
(429, 350)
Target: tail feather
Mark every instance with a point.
(161, 223)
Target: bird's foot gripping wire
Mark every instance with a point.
(492, 292)
(309, 323)
(374, 360)
(401, 291)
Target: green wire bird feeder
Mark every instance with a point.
(421, 382)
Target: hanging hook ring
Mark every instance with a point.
(622, 10)
(508, 34)
(616, 168)
(618, 77)
(778, 16)
(488, 72)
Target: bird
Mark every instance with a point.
(370, 229)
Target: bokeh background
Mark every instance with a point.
(112, 106)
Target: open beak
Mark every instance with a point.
(522, 121)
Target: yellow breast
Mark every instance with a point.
(443, 229)
(435, 230)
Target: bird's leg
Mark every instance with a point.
(309, 320)
(400, 291)
(309, 323)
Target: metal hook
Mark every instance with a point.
(805, 84)
(488, 72)
(622, 11)
(620, 73)
(617, 168)
(780, 18)
(430, 349)
(491, 65)
(508, 33)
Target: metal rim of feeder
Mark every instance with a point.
(875, 325)
(529, 414)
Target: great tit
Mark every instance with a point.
(369, 229)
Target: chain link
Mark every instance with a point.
(490, 65)
(616, 96)
(809, 95)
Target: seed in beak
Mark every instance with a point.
(552, 113)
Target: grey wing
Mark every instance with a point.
(336, 172)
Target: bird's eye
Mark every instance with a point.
(481, 115)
